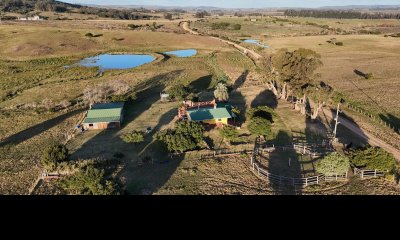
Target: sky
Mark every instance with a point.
(240, 3)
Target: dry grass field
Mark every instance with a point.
(33, 56)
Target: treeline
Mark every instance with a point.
(340, 14)
(127, 14)
(26, 6)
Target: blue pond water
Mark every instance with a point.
(183, 53)
(257, 42)
(110, 61)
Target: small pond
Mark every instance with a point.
(257, 42)
(183, 53)
(116, 61)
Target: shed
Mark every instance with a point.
(104, 116)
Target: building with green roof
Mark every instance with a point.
(218, 115)
(104, 116)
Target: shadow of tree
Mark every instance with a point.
(265, 98)
(392, 120)
(237, 99)
(283, 163)
(200, 84)
(240, 80)
(37, 129)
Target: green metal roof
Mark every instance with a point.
(105, 112)
(208, 114)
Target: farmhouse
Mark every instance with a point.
(206, 112)
(104, 116)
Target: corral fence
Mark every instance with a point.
(282, 180)
(206, 154)
(314, 152)
(369, 173)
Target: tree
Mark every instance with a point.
(295, 72)
(236, 26)
(178, 91)
(88, 181)
(201, 14)
(221, 92)
(229, 132)
(186, 136)
(168, 16)
(333, 164)
(133, 137)
(373, 158)
(53, 155)
(260, 126)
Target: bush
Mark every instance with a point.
(259, 126)
(88, 181)
(133, 137)
(373, 158)
(236, 26)
(186, 136)
(220, 25)
(178, 91)
(229, 132)
(369, 76)
(339, 43)
(89, 35)
(168, 16)
(333, 164)
(53, 155)
(123, 97)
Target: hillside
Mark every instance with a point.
(34, 6)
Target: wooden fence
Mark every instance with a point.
(302, 149)
(205, 154)
(282, 180)
(369, 173)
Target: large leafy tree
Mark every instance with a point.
(373, 158)
(221, 92)
(178, 91)
(53, 155)
(186, 136)
(88, 181)
(295, 72)
(333, 164)
(260, 126)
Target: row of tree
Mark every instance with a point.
(340, 14)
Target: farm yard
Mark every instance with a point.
(43, 94)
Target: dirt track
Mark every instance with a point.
(256, 56)
(374, 141)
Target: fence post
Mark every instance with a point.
(304, 150)
(336, 176)
(306, 182)
(317, 179)
(375, 173)
(253, 166)
(258, 171)
(362, 174)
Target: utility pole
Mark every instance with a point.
(336, 122)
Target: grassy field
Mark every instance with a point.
(32, 60)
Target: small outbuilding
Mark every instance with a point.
(104, 116)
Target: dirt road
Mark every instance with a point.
(256, 56)
(372, 140)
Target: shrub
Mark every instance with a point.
(229, 132)
(123, 97)
(236, 26)
(89, 35)
(373, 158)
(259, 126)
(369, 76)
(53, 155)
(133, 137)
(220, 25)
(88, 181)
(178, 91)
(339, 43)
(333, 164)
(134, 26)
(186, 136)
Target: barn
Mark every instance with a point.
(104, 116)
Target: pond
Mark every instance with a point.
(257, 42)
(183, 53)
(116, 61)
